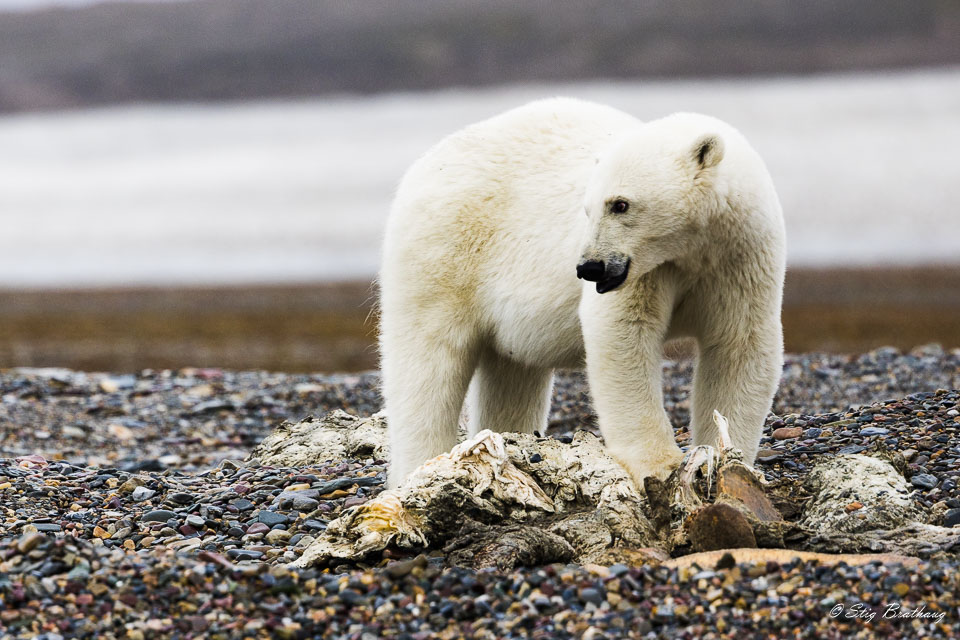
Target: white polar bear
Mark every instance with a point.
(674, 224)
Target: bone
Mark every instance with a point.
(575, 493)
(507, 499)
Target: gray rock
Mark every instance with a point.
(271, 518)
(196, 522)
(212, 406)
(140, 494)
(873, 482)
(951, 518)
(79, 573)
(242, 504)
(346, 483)
(303, 503)
(157, 515)
(924, 481)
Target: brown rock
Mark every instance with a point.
(338, 493)
(132, 483)
(216, 558)
(401, 568)
(634, 557)
(720, 526)
(786, 433)
(735, 481)
(853, 506)
(29, 541)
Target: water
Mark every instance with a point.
(866, 167)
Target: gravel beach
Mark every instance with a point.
(128, 512)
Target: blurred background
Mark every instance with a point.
(205, 182)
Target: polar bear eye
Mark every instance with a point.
(619, 206)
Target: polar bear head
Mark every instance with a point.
(650, 197)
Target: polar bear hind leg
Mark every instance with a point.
(509, 396)
(423, 393)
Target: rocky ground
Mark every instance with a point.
(128, 512)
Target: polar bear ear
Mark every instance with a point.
(708, 150)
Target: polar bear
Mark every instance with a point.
(566, 230)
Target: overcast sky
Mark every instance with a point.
(33, 4)
(24, 5)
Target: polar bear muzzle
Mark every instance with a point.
(608, 275)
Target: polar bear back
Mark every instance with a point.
(490, 220)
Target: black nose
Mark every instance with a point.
(591, 270)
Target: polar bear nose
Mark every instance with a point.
(591, 270)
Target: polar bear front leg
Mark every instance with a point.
(737, 373)
(624, 345)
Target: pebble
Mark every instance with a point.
(271, 518)
(403, 567)
(787, 433)
(157, 515)
(278, 536)
(29, 541)
(951, 518)
(141, 494)
(303, 503)
(343, 483)
(591, 595)
(242, 504)
(179, 497)
(84, 504)
(924, 481)
(855, 448)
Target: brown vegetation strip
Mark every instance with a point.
(332, 327)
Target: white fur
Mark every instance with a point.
(479, 287)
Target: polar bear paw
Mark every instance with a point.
(661, 466)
